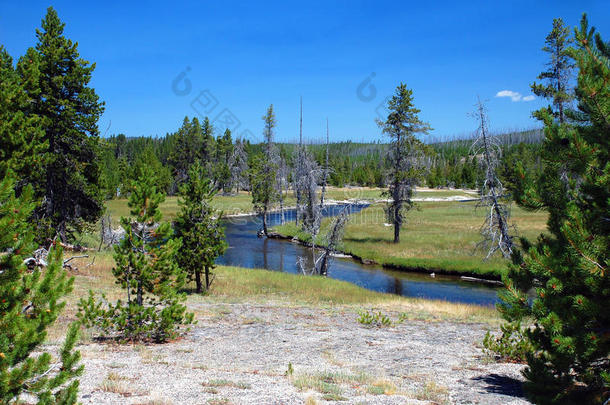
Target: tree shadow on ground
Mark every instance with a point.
(501, 384)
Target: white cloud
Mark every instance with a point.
(514, 96)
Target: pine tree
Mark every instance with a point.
(187, 149)
(31, 302)
(568, 267)
(401, 125)
(264, 172)
(202, 235)
(209, 145)
(222, 171)
(69, 110)
(145, 266)
(560, 69)
(20, 133)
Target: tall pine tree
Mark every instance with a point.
(401, 125)
(264, 171)
(568, 267)
(560, 67)
(69, 109)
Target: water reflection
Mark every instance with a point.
(247, 250)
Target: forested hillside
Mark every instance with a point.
(449, 163)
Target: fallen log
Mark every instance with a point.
(481, 280)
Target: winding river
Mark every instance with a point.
(248, 250)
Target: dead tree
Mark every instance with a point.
(308, 184)
(282, 180)
(495, 229)
(109, 236)
(333, 238)
(325, 172)
(238, 166)
(299, 170)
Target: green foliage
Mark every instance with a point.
(511, 345)
(188, 148)
(20, 133)
(378, 319)
(202, 235)
(567, 268)
(264, 171)
(222, 171)
(146, 268)
(69, 109)
(30, 304)
(406, 152)
(559, 70)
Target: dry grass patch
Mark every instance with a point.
(329, 383)
(382, 387)
(118, 384)
(219, 401)
(226, 383)
(434, 392)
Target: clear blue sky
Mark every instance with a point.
(248, 55)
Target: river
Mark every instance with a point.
(247, 250)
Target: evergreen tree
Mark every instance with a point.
(69, 110)
(568, 267)
(148, 158)
(264, 172)
(222, 171)
(187, 149)
(401, 125)
(209, 146)
(20, 133)
(146, 268)
(31, 302)
(202, 235)
(559, 71)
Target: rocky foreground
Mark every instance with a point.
(278, 354)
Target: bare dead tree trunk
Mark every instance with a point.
(299, 168)
(495, 229)
(325, 173)
(333, 238)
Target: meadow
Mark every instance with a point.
(437, 236)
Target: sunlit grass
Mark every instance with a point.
(437, 235)
(234, 284)
(240, 203)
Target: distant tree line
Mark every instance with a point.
(449, 163)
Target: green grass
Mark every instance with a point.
(235, 284)
(439, 236)
(242, 202)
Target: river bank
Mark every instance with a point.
(440, 237)
(432, 272)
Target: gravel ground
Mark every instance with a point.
(240, 354)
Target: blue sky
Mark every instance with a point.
(239, 57)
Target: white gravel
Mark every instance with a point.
(239, 354)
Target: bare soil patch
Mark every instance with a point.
(252, 353)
